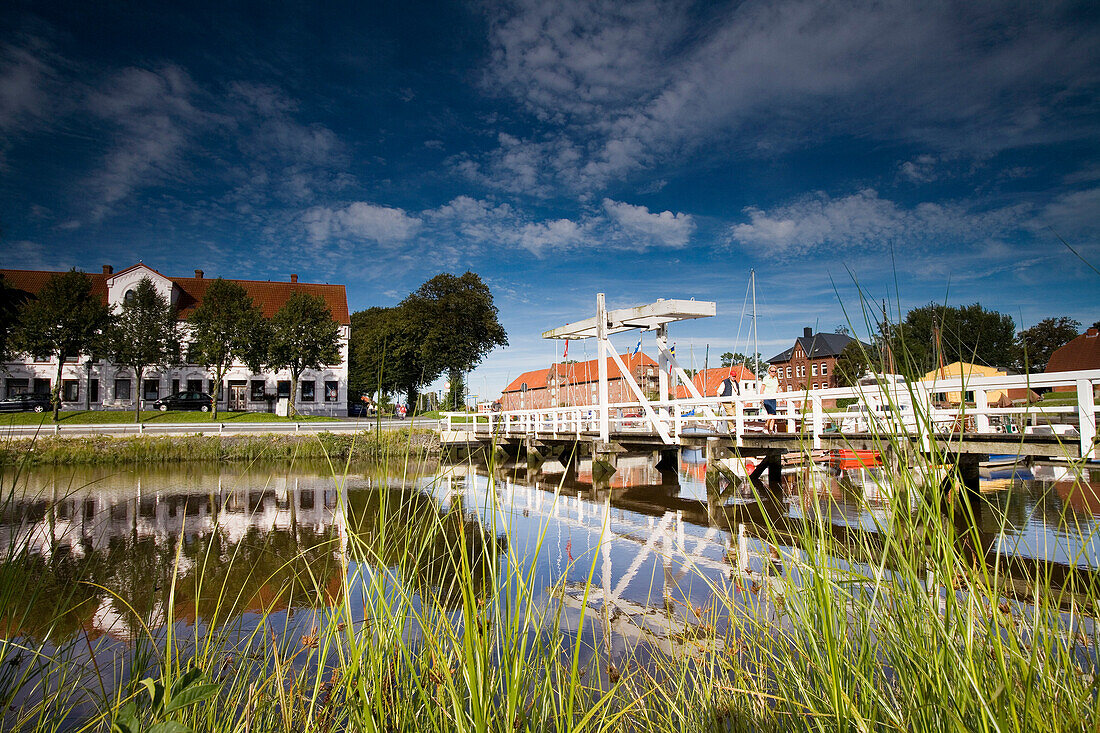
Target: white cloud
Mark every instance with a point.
(921, 169)
(559, 234)
(641, 226)
(863, 220)
(360, 220)
(622, 87)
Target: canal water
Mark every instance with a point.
(99, 555)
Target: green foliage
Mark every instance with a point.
(754, 364)
(226, 327)
(852, 363)
(937, 333)
(449, 324)
(64, 319)
(10, 300)
(303, 336)
(1038, 343)
(144, 335)
(151, 716)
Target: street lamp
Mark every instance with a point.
(87, 384)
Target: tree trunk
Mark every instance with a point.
(292, 410)
(57, 387)
(219, 373)
(140, 391)
(410, 399)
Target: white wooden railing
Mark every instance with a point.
(905, 408)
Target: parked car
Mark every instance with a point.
(31, 402)
(184, 401)
(360, 409)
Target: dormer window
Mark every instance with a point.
(128, 297)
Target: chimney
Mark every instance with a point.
(294, 278)
(807, 332)
(108, 269)
(198, 274)
(1092, 332)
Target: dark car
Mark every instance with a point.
(26, 403)
(360, 409)
(184, 401)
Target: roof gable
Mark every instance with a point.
(817, 346)
(1082, 352)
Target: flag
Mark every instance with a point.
(565, 354)
(638, 347)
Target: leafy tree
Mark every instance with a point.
(64, 319)
(303, 336)
(145, 334)
(852, 363)
(10, 300)
(1036, 344)
(459, 324)
(386, 353)
(967, 333)
(226, 328)
(756, 364)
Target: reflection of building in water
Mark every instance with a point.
(1078, 489)
(256, 532)
(85, 520)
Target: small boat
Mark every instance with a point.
(1005, 466)
(844, 459)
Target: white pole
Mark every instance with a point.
(601, 336)
(755, 345)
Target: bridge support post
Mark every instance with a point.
(773, 462)
(668, 459)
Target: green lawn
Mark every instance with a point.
(104, 417)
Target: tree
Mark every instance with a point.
(303, 336)
(1036, 344)
(756, 365)
(385, 354)
(852, 363)
(459, 323)
(226, 328)
(10, 300)
(145, 334)
(64, 319)
(935, 334)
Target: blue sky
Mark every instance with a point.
(906, 151)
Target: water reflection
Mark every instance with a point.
(102, 552)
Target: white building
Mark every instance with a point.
(98, 385)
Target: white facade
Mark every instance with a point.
(102, 386)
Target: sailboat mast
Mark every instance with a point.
(755, 345)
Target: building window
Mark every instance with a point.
(128, 297)
(813, 368)
(93, 390)
(523, 387)
(259, 390)
(175, 386)
(42, 386)
(70, 390)
(814, 386)
(71, 358)
(282, 389)
(824, 368)
(152, 389)
(308, 391)
(122, 389)
(194, 385)
(17, 386)
(332, 391)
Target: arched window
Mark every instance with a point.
(128, 297)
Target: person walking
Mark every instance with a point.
(769, 385)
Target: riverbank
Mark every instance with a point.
(109, 450)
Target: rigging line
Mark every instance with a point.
(1071, 249)
(744, 307)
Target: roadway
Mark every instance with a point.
(233, 427)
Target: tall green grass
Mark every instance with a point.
(418, 614)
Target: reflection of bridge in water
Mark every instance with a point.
(724, 538)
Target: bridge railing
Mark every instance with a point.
(910, 408)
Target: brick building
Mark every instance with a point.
(97, 384)
(708, 381)
(577, 383)
(809, 364)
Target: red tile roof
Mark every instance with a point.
(577, 372)
(267, 295)
(589, 371)
(535, 379)
(1081, 353)
(708, 380)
